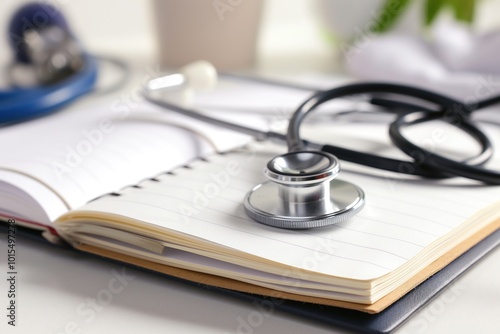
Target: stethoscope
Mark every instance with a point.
(44, 46)
(302, 190)
(21, 104)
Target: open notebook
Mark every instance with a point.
(192, 218)
(108, 184)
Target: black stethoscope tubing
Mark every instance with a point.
(467, 169)
(425, 163)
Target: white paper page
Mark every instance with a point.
(399, 220)
(255, 96)
(25, 198)
(242, 99)
(83, 154)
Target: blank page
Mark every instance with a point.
(82, 154)
(204, 202)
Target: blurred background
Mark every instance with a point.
(288, 29)
(292, 34)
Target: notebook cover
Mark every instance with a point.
(384, 322)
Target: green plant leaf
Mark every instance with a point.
(391, 10)
(463, 9)
(432, 9)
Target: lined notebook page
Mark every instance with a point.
(82, 154)
(23, 197)
(397, 223)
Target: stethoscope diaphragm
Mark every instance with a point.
(302, 192)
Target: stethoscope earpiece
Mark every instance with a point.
(200, 75)
(194, 77)
(302, 192)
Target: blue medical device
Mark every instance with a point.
(42, 41)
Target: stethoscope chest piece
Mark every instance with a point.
(302, 192)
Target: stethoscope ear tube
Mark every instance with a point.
(296, 143)
(384, 163)
(469, 169)
(424, 163)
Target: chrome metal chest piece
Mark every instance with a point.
(302, 192)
